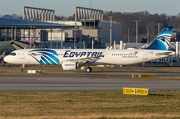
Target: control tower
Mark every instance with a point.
(91, 22)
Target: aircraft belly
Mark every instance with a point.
(126, 61)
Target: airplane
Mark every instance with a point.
(72, 59)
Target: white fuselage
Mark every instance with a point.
(104, 56)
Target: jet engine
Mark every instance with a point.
(70, 65)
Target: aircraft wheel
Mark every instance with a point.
(89, 69)
(3, 63)
(22, 69)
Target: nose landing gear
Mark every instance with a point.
(89, 69)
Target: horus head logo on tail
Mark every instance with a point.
(162, 41)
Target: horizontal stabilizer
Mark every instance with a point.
(165, 53)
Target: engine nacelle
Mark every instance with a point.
(70, 65)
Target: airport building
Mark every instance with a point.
(87, 31)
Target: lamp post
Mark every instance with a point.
(137, 21)
(92, 44)
(159, 25)
(74, 38)
(5, 33)
(147, 34)
(57, 38)
(110, 29)
(128, 34)
(84, 44)
(90, 3)
(62, 32)
(51, 37)
(12, 33)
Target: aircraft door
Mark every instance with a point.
(22, 55)
(145, 55)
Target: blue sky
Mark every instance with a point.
(67, 7)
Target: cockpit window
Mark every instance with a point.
(13, 54)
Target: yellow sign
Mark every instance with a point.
(135, 75)
(129, 90)
(146, 75)
(142, 91)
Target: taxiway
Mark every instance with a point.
(80, 81)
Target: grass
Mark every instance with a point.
(89, 105)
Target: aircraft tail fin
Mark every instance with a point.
(162, 41)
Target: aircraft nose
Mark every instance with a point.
(6, 59)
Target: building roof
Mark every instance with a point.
(9, 23)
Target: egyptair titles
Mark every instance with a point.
(68, 53)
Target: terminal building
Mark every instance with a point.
(87, 31)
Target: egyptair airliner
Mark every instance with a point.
(72, 59)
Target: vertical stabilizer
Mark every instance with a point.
(162, 41)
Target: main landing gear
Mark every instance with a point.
(88, 69)
(3, 63)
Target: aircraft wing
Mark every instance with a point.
(89, 59)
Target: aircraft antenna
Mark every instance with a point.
(90, 3)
